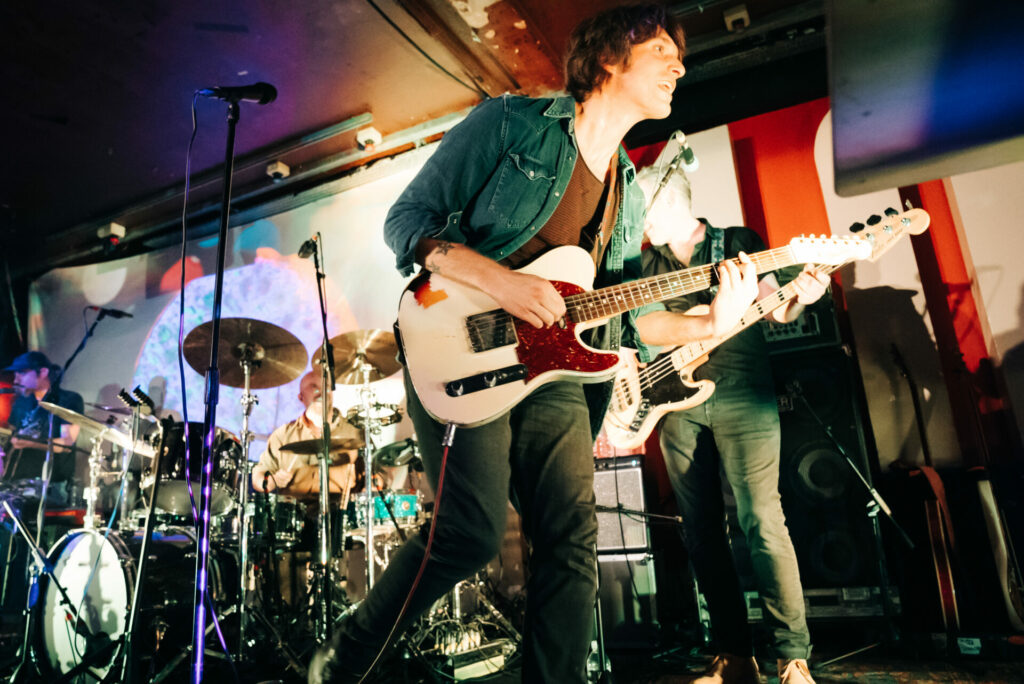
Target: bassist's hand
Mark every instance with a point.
(527, 297)
(736, 292)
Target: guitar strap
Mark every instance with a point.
(717, 237)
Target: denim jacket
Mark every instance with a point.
(496, 179)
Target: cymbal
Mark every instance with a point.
(278, 356)
(119, 410)
(396, 454)
(107, 432)
(376, 349)
(313, 446)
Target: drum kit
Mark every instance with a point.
(110, 593)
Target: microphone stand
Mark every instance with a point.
(324, 619)
(669, 170)
(40, 567)
(875, 506)
(210, 420)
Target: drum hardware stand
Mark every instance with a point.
(140, 571)
(40, 566)
(875, 506)
(249, 356)
(170, 667)
(366, 395)
(322, 594)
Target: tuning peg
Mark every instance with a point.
(891, 212)
(874, 220)
(856, 227)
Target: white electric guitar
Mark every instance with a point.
(471, 361)
(642, 396)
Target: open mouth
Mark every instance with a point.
(666, 86)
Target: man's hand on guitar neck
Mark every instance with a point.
(527, 297)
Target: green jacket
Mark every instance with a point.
(496, 179)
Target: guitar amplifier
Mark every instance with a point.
(629, 611)
(619, 488)
(815, 327)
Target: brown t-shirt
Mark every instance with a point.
(583, 218)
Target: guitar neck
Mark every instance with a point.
(611, 301)
(688, 353)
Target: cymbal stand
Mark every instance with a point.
(92, 492)
(366, 396)
(250, 356)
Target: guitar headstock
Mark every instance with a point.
(829, 249)
(884, 232)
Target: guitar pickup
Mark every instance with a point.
(482, 381)
(641, 414)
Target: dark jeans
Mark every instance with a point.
(541, 453)
(737, 430)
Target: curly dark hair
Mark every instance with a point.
(608, 38)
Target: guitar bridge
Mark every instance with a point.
(641, 414)
(482, 381)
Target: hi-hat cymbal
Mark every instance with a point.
(397, 454)
(313, 446)
(278, 356)
(363, 356)
(107, 432)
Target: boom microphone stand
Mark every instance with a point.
(261, 93)
(324, 612)
(874, 507)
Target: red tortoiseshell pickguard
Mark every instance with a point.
(555, 348)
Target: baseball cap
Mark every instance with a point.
(33, 360)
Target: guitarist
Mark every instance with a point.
(736, 430)
(518, 177)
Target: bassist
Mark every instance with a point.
(735, 430)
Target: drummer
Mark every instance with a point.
(33, 374)
(298, 474)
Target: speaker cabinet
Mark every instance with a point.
(628, 592)
(619, 488)
(823, 499)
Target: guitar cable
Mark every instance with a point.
(446, 444)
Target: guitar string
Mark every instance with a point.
(669, 285)
(658, 370)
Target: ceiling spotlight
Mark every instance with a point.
(278, 170)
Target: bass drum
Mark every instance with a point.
(164, 621)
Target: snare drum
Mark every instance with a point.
(173, 496)
(103, 606)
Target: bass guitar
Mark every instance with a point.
(642, 396)
(471, 361)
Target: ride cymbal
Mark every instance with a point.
(277, 356)
(363, 356)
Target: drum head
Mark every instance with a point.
(102, 606)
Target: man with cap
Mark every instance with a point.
(34, 378)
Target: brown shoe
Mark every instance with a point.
(794, 671)
(730, 669)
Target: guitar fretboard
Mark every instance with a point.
(611, 301)
(686, 354)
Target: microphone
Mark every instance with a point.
(260, 93)
(689, 159)
(113, 313)
(307, 248)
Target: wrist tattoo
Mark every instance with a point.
(444, 247)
